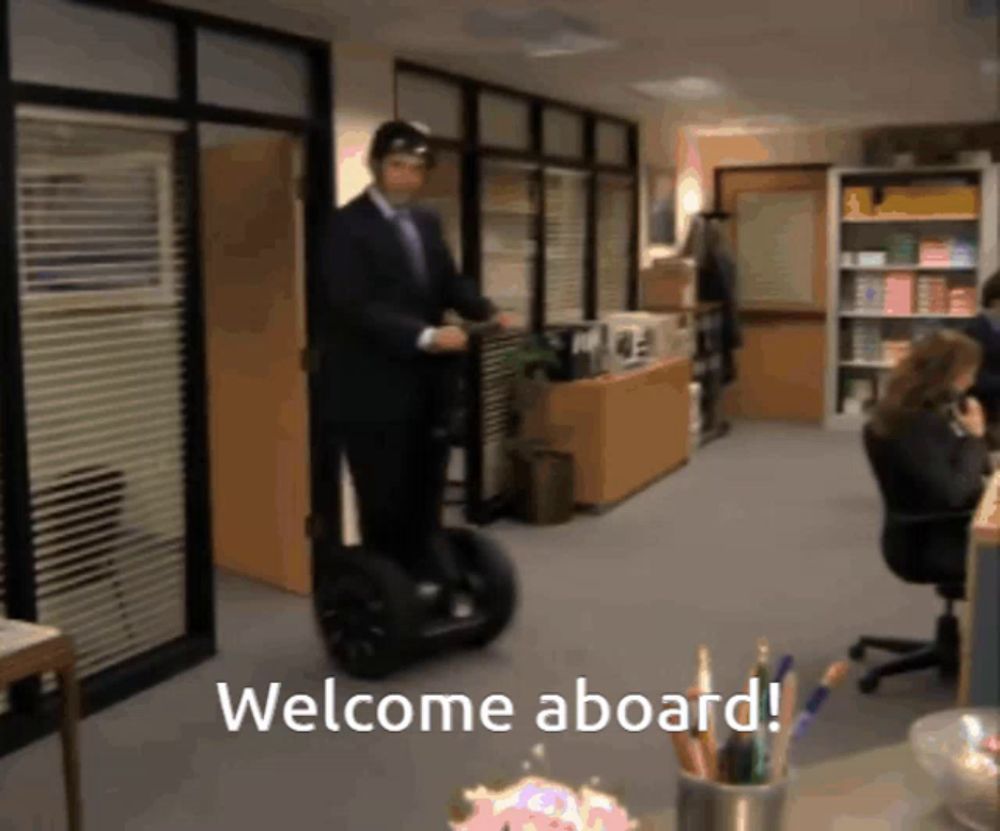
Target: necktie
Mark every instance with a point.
(414, 246)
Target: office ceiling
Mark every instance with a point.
(707, 63)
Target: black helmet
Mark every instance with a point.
(400, 137)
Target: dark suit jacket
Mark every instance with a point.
(371, 365)
(926, 467)
(927, 470)
(987, 388)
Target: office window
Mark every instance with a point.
(565, 245)
(509, 210)
(443, 193)
(504, 121)
(75, 45)
(434, 103)
(562, 132)
(614, 243)
(612, 143)
(252, 75)
(101, 268)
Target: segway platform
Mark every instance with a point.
(374, 618)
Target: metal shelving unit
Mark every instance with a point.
(870, 319)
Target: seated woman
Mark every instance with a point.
(985, 329)
(926, 444)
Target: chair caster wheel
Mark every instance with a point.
(857, 652)
(868, 684)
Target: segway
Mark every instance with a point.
(375, 618)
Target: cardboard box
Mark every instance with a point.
(930, 200)
(668, 285)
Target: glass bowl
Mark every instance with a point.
(960, 750)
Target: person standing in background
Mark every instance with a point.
(985, 330)
(392, 366)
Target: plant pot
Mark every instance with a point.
(543, 487)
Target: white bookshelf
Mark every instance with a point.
(869, 319)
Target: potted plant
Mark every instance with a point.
(542, 477)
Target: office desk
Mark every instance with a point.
(872, 791)
(623, 431)
(979, 684)
(27, 650)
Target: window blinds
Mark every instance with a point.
(443, 193)
(101, 270)
(509, 210)
(495, 413)
(509, 213)
(614, 238)
(565, 245)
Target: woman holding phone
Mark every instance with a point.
(928, 434)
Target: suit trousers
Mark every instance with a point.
(400, 474)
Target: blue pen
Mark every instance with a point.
(784, 666)
(834, 675)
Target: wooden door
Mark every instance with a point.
(255, 332)
(781, 367)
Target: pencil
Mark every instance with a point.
(779, 752)
(704, 684)
(684, 747)
(707, 753)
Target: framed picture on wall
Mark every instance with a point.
(661, 184)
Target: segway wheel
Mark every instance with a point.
(492, 580)
(366, 612)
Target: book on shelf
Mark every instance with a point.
(932, 294)
(859, 394)
(935, 252)
(962, 301)
(871, 259)
(869, 293)
(895, 350)
(964, 254)
(925, 328)
(899, 293)
(902, 248)
(865, 341)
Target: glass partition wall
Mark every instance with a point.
(548, 229)
(105, 527)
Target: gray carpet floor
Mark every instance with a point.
(771, 531)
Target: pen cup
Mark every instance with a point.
(705, 805)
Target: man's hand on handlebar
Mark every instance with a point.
(507, 321)
(449, 339)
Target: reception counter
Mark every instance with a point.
(623, 431)
(980, 670)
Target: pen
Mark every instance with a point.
(759, 764)
(835, 673)
(779, 752)
(740, 750)
(784, 667)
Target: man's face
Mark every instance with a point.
(400, 177)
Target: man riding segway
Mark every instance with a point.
(393, 362)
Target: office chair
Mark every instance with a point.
(907, 540)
